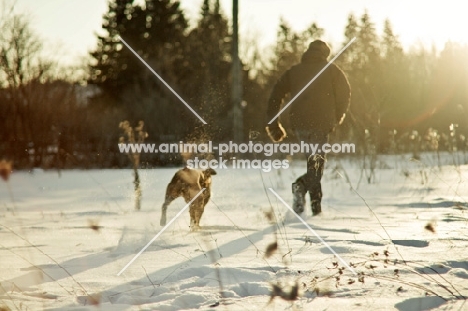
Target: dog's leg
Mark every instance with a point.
(206, 197)
(168, 199)
(196, 209)
(193, 224)
(162, 222)
(198, 215)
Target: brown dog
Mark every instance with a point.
(187, 183)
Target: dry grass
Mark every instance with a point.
(134, 135)
(6, 168)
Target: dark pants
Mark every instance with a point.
(315, 163)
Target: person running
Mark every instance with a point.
(313, 115)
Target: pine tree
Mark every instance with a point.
(347, 58)
(397, 93)
(391, 47)
(447, 95)
(209, 56)
(156, 31)
(111, 60)
(362, 63)
(290, 46)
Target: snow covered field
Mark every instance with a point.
(64, 239)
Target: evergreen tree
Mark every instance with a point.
(110, 60)
(346, 60)
(391, 46)
(208, 53)
(290, 46)
(156, 31)
(447, 96)
(362, 63)
(395, 85)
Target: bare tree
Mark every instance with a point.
(21, 67)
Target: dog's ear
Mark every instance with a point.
(208, 172)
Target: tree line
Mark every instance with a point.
(49, 117)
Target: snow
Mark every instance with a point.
(63, 239)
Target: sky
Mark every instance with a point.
(68, 27)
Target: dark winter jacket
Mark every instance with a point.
(322, 105)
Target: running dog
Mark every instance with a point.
(187, 183)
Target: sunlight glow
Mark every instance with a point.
(415, 22)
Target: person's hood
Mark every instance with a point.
(318, 50)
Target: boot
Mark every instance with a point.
(316, 207)
(299, 192)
